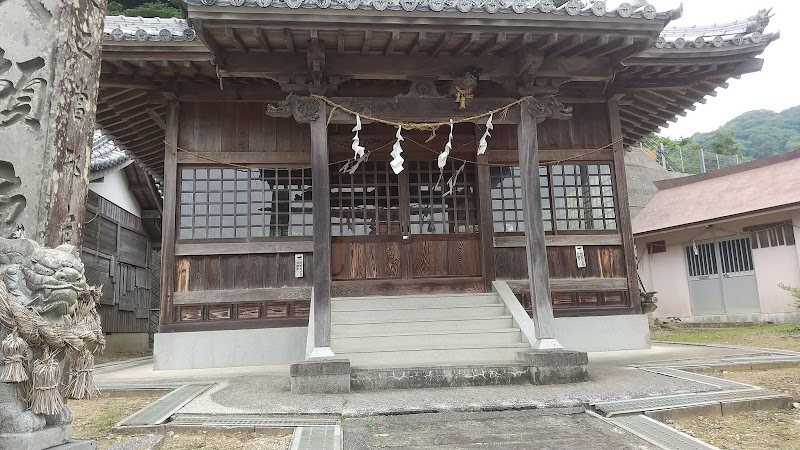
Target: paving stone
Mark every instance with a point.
(149, 442)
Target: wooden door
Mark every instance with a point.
(397, 231)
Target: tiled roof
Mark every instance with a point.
(740, 32)
(572, 7)
(121, 28)
(105, 153)
(747, 188)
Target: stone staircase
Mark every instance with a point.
(425, 330)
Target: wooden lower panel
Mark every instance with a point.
(446, 258)
(601, 262)
(365, 260)
(246, 271)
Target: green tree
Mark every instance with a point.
(724, 143)
(143, 8)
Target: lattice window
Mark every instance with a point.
(244, 203)
(702, 260)
(507, 213)
(366, 203)
(771, 235)
(575, 197)
(583, 197)
(431, 212)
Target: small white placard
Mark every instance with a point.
(298, 265)
(580, 257)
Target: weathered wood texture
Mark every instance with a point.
(321, 194)
(170, 213)
(623, 206)
(250, 271)
(116, 253)
(239, 127)
(586, 130)
(601, 262)
(273, 245)
(567, 240)
(362, 288)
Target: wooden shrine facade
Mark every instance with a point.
(252, 184)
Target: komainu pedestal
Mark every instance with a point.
(49, 330)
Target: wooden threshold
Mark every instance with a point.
(233, 324)
(363, 288)
(300, 245)
(241, 296)
(567, 240)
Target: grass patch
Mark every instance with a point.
(777, 336)
(107, 418)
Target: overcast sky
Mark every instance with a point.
(776, 87)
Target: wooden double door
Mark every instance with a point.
(415, 229)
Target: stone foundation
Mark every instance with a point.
(325, 376)
(558, 366)
(439, 376)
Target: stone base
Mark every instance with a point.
(558, 366)
(326, 376)
(50, 437)
(76, 445)
(439, 376)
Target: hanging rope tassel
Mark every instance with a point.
(45, 396)
(15, 358)
(81, 381)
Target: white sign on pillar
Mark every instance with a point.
(298, 265)
(580, 256)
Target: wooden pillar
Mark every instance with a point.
(170, 212)
(623, 206)
(538, 273)
(485, 223)
(320, 189)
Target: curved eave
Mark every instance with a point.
(661, 85)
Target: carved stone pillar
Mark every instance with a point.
(49, 72)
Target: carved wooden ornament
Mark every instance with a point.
(303, 109)
(548, 108)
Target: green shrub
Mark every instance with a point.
(795, 292)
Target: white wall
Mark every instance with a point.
(114, 188)
(666, 272)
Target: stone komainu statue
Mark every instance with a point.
(48, 316)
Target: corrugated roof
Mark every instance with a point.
(747, 188)
(105, 153)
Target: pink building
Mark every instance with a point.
(717, 246)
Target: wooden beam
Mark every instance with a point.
(242, 296)
(587, 46)
(485, 222)
(290, 245)
(261, 37)
(170, 212)
(623, 206)
(494, 46)
(524, 40)
(611, 47)
(288, 41)
(281, 157)
(341, 39)
(157, 118)
(366, 43)
(320, 190)
(567, 44)
(604, 240)
(394, 36)
(444, 40)
(538, 274)
(420, 109)
(210, 43)
(468, 41)
(422, 36)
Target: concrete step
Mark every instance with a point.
(411, 314)
(434, 354)
(411, 301)
(450, 338)
(438, 375)
(372, 326)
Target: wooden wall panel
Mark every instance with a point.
(254, 271)
(601, 262)
(448, 258)
(239, 127)
(371, 260)
(588, 129)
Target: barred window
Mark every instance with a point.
(366, 203)
(433, 212)
(575, 197)
(771, 234)
(244, 203)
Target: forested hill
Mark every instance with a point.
(760, 133)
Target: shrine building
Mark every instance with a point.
(401, 183)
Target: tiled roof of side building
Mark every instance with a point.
(105, 153)
(142, 29)
(737, 33)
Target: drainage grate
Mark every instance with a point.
(257, 421)
(317, 438)
(117, 365)
(139, 386)
(698, 377)
(161, 410)
(659, 434)
(733, 360)
(680, 401)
